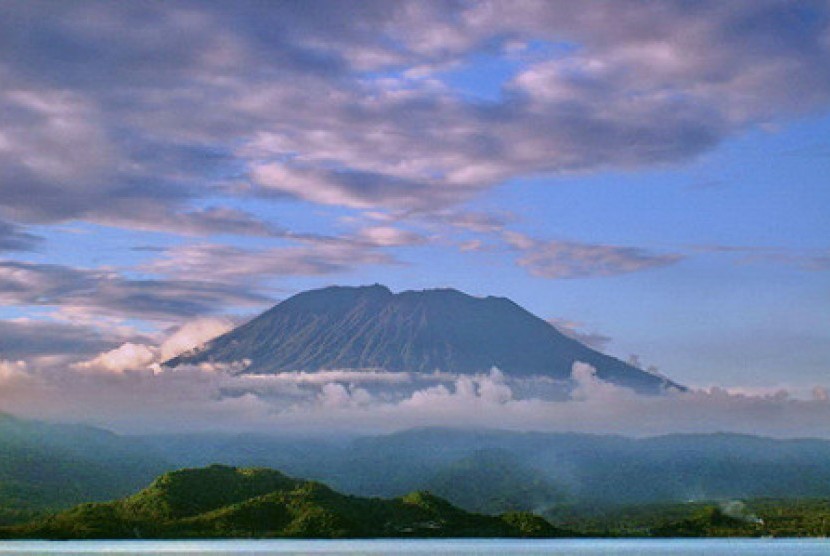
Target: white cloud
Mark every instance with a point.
(141, 134)
(570, 259)
(127, 357)
(134, 357)
(389, 236)
(228, 263)
(575, 330)
(195, 398)
(11, 369)
(192, 334)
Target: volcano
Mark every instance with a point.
(371, 328)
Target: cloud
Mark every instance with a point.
(14, 238)
(227, 263)
(192, 334)
(30, 338)
(168, 116)
(128, 356)
(389, 236)
(482, 222)
(136, 357)
(350, 188)
(201, 222)
(228, 277)
(472, 245)
(568, 259)
(11, 369)
(815, 260)
(575, 330)
(105, 293)
(184, 100)
(195, 398)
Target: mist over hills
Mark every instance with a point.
(47, 466)
(51, 467)
(223, 502)
(413, 331)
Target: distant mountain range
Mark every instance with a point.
(414, 331)
(47, 467)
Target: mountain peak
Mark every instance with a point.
(442, 329)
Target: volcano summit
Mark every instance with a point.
(444, 330)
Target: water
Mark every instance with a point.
(451, 547)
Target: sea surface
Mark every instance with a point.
(579, 547)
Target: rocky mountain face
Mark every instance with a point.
(415, 331)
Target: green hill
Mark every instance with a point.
(228, 502)
(46, 467)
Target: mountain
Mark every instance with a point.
(417, 331)
(496, 471)
(494, 481)
(594, 470)
(47, 466)
(227, 502)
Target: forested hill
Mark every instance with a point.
(228, 502)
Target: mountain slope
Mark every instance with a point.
(226, 502)
(50, 467)
(46, 466)
(601, 470)
(372, 328)
(492, 481)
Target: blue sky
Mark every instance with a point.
(653, 176)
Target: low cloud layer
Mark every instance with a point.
(127, 390)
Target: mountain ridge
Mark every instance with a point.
(370, 327)
(481, 470)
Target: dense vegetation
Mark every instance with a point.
(227, 502)
(766, 517)
(46, 467)
(494, 481)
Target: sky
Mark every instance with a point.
(649, 176)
